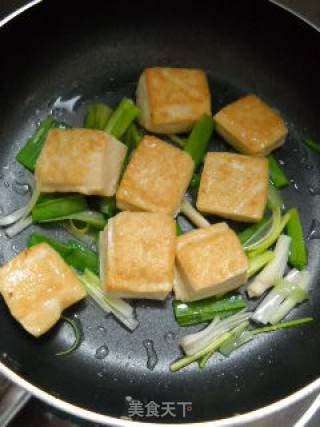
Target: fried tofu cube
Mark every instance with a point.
(251, 126)
(209, 261)
(171, 100)
(81, 161)
(37, 285)
(234, 186)
(156, 178)
(138, 251)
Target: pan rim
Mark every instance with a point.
(295, 13)
(96, 417)
(108, 420)
(18, 12)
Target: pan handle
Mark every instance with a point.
(12, 400)
(304, 420)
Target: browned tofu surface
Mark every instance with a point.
(172, 99)
(139, 252)
(80, 160)
(209, 261)
(156, 178)
(37, 285)
(251, 126)
(234, 186)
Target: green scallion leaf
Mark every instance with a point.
(97, 116)
(314, 146)
(122, 117)
(74, 253)
(77, 337)
(205, 310)
(29, 154)
(298, 256)
(199, 138)
(55, 208)
(276, 172)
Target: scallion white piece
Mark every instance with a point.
(191, 213)
(273, 271)
(241, 335)
(211, 348)
(23, 212)
(286, 294)
(194, 343)
(264, 232)
(123, 311)
(19, 226)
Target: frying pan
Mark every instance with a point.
(59, 56)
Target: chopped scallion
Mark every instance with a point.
(314, 146)
(258, 262)
(74, 253)
(185, 361)
(272, 237)
(273, 271)
(191, 213)
(97, 116)
(107, 205)
(58, 207)
(205, 310)
(199, 138)
(77, 337)
(29, 154)
(298, 256)
(120, 309)
(179, 231)
(276, 172)
(122, 117)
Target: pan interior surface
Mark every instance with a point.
(57, 59)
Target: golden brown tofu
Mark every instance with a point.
(37, 285)
(156, 178)
(80, 160)
(234, 186)
(209, 261)
(138, 255)
(172, 99)
(251, 126)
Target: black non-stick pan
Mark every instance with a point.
(59, 56)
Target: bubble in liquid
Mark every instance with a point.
(15, 249)
(102, 352)
(152, 358)
(314, 191)
(314, 230)
(20, 188)
(169, 337)
(295, 185)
